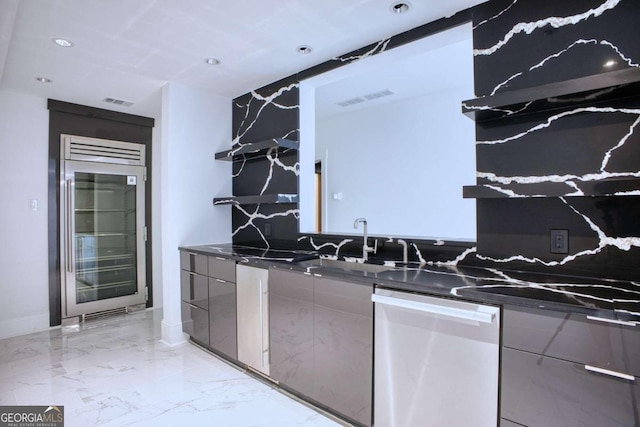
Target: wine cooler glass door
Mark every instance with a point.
(103, 239)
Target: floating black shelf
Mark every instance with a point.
(606, 187)
(254, 200)
(566, 94)
(252, 150)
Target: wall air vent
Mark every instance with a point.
(116, 101)
(380, 94)
(351, 101)
(102, 150)
(364, 98)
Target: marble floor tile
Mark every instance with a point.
(116, 372)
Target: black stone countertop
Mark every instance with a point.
(611, 299)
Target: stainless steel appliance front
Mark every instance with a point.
(252, 285)
(435, 361)
(102, 228)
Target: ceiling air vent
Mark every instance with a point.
(116, 101)
(364, 98)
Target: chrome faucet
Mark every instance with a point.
(365, 246)
(405, 251)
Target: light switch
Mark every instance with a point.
(33, 204)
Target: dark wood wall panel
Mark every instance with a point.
(73, 119)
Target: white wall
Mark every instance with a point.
(306, 158)
(24, 283)
(195, 124)
(185, 180)
(401, 165)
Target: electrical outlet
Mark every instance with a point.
(559, 241)
(267, 229)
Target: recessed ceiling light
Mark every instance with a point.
(212, 61)
(304, 49)
(610, 63)
(43, 80)
(400, 7)
(63, 42)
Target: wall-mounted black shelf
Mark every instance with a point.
(252, 150)
(606, 187)
(566, 94)
(255, 200)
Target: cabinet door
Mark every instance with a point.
(291, 329)
(544, 391)
(343, 347)
(195, 322)
(222, 317)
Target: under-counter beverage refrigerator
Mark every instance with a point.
(102, 225)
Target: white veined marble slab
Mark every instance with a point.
(115, 372)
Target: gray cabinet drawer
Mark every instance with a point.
(196, 263)
(194, 289)
(544, 391)
(222, 317)
(195, 322)
(573, 337)
(222, 268)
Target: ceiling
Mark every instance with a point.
(129, 49)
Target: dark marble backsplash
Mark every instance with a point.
(522, 44)
(567, 162)
(572, 164)
(428, 251)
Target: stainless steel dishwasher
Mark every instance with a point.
(436, 361)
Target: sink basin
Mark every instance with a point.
(344, 265)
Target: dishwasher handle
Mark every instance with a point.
(458, 313)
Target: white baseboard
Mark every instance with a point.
(172, 334)
(24, 325)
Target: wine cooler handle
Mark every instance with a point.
(69, 236)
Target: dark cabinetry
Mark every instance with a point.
(321, 338)
(569, 370)
(208, 291)
(222, 306)
(194, 290)
(291, 329)
(343, 347)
